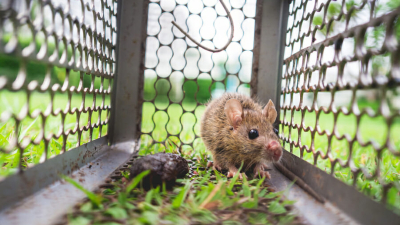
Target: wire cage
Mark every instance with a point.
(84, 84)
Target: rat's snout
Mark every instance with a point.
(275, 149)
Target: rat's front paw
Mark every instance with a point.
(262, 174)
(232, 172)
(259, 172)
(214, 165)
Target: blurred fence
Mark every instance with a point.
(57, 62)
(179, 77)
(340, 99)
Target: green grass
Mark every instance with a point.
(206, 198)
(31, 128)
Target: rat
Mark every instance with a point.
(237, 129)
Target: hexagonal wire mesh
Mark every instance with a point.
(340, 92)
(57, 64)
(339, 105)
(179, 77)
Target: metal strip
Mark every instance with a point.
(22, 185)
(350, 72)
(40, 38)
(338, 194)
(272, 45)
(132, 23)
(51, 203)
(256, 49)
(306, 207)
(344, 197)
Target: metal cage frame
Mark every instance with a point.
(34, 194)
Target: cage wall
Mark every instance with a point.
(340, 101)
(180, 77)
(57, 66)
(339, 80)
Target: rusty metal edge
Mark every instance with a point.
(343, 201)
(271, 51)
(110, 130)
(141, 71)
(306, 207)
(53, 198)
(345, 34)
(256, 48)
(342, 196)
(128, 82)
(22, 185)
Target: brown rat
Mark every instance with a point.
(237, 129)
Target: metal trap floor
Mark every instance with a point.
(44, 199)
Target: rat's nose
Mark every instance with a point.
(275, 148)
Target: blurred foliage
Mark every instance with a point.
(10, 66)
(370, 128)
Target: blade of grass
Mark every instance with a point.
(233, 181)
(157, 196)
(217, 175)
(212, 194)
(22, 134)
(95, 199)
(257, 190)
(149, 196)
(136, 181)
(178, 200)
(164, 189)
(116, 212)
(246, 188)
(206, 177)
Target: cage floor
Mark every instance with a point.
(276, 202)
(246, 204)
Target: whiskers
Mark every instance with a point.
(248, 165)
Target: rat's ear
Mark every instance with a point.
(269, 112)
(234, 112)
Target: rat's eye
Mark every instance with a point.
(276, 131)
(253, 134)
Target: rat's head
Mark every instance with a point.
(252, 132)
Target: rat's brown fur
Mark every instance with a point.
(231, 147)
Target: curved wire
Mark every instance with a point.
(204, 47)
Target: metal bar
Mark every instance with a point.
(298, 181)
(346, 198)
(92, 164)
(256, 49)
(21, 185)
(126, 107)
(272, 44)
(307, 207)
(335, 56)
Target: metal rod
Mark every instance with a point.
(52, 201)
(299, 182)
(126, 100)
(204, 47)
(346, 198)
(271, 49)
